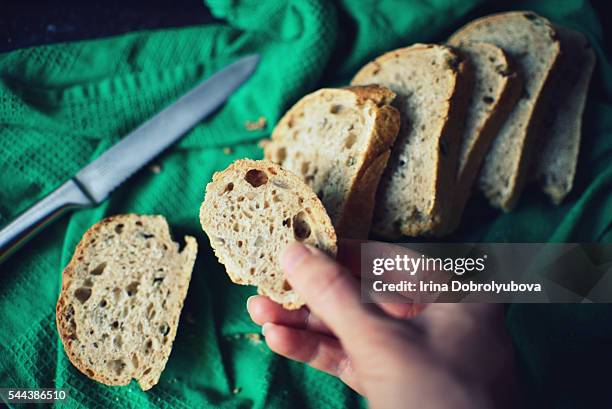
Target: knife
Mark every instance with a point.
(92, 184)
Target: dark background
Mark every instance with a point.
(25, 23)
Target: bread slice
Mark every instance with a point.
(531, 41)
(497, 87)
(432, 83)
(251, 211)
(556, 162)
(122, 295)
(339, 141)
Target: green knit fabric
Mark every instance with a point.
(63, 105)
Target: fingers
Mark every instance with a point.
(331, 293)
(402, 310)
(263, 310)
(317, 350)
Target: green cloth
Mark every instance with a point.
(62, 105)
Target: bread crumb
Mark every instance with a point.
(236, 390)
(255, 338)
(155, 169)
(227, 150)
(257, 125)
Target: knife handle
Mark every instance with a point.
(19, 231)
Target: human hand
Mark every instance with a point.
(448, 355)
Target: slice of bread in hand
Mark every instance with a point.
(531, 41)
(122, 295)
(556, 162)
(497, 87)
(251, 211)
(432, 83)
(338, 141)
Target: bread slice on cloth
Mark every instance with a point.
(556, 163)
(121, 298)
(339, 140)
(532, 43)
(432, 83)
(251, 211)
(497, 87)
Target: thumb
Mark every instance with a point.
(331, 293)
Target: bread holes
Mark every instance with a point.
(138, 223)
(119, 228)
(252, 271)
(286, 286)
(115, 325)
(158, 280)
(281, 155)
(259, 241)
(239, 243)
(116, 294)
(301, 228)
(135, 362)
(147, 236)
(236, 227)
(335, 108)
(487, 100)
(287, 222)
(350, 140)
(164, 329)
(88, 283)
(147, 371)
(132, 288)
(228, 188)
(103, 303)
(82, 294)
(304, 167)
(118, 341)
(151, 311)
(256, 177)
(148, 348)
(117, 366)
(98, 270)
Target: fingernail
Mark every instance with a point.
(263, 328)
(248, 303)
(292, 254)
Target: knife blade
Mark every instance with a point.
(92, 184)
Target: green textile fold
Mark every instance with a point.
(62, 105)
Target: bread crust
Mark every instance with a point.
(556, 162)
(63, 315)
(505, 197)
(510, 88)
(454, 105)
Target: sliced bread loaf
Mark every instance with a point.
(251, 211)
(531, 41)
(432, 83)
(122, 295)
(338, 141)
(497, 87)
(556, 162)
